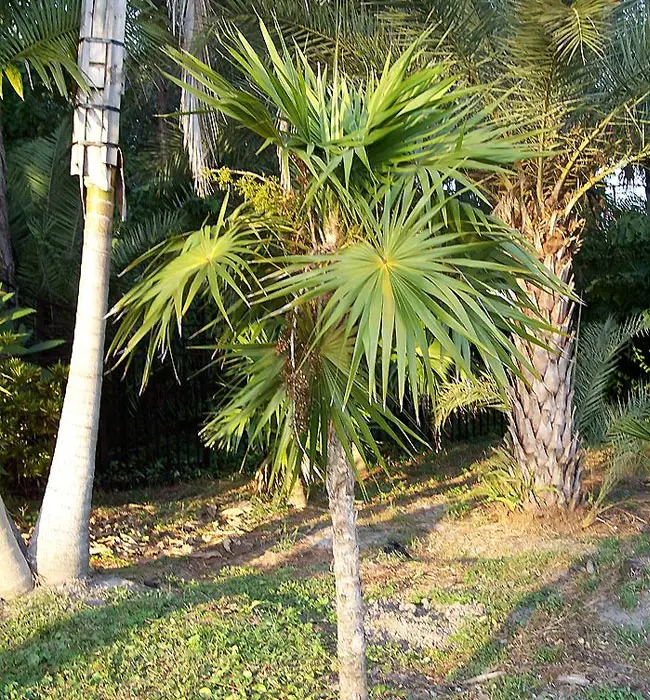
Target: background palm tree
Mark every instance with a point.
(360, 265)
(570, 77)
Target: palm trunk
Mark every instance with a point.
(16, 578)
(59, 547)
(7, 269)
(349, 603)
(541, 421)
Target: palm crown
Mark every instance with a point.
(374, 253)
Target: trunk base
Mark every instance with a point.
(349, 603)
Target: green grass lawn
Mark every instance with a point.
(244, 636)
(260, 623)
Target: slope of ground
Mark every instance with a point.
(205, 591)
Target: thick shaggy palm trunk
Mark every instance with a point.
(59, 547)
(349, 603)
(541, 422)
(15, 575)
(6, 255)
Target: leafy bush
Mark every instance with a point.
(30, 404)
(30, 400)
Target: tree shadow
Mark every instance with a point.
(103, 621)
(556, 641)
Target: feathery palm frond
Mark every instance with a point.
(40, 35)
(132, 240)
(600, 346)
(628, 433)
(45, 216)
(465, 394)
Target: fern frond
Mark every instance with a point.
(600, 345)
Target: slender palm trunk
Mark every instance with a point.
(6, 254)
(16, 576)
(349, 603)
(59, 547)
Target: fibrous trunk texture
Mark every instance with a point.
(59, 547)
(15, 575)
(6, 254)
(541, 422)
(349, 603)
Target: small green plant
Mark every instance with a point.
(503, 482)
(30, 405)
(515, 687)
(287, 538)
(30, 399)
(549, 654)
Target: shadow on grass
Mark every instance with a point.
(555, 631)
(97, 623)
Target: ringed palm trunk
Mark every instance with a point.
(345, 545)
(16, 578)
(60, 546)
(541, 422)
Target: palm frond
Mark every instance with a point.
(343, 134)
(41, 37)
(182, 270)
(600, 345)
(470, 394)
(45, 216)
(417, 277)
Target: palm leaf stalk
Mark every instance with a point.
(367, 263)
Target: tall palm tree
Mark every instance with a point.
(59, 547)
(570, 77)
(38, 37)
(361, 264)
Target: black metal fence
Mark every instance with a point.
(464, 425)
(153, 436)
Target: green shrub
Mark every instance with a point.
(30, 405)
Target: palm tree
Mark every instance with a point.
(368, 257)
(59, 547)
(40, 37)
(569, 77)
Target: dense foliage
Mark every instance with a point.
(30, 405)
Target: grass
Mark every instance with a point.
(234, 638)
(265, 628)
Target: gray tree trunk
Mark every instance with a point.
(7, 269)
(541, 423)
(349, 603)
(15, 575)
(60, 547)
